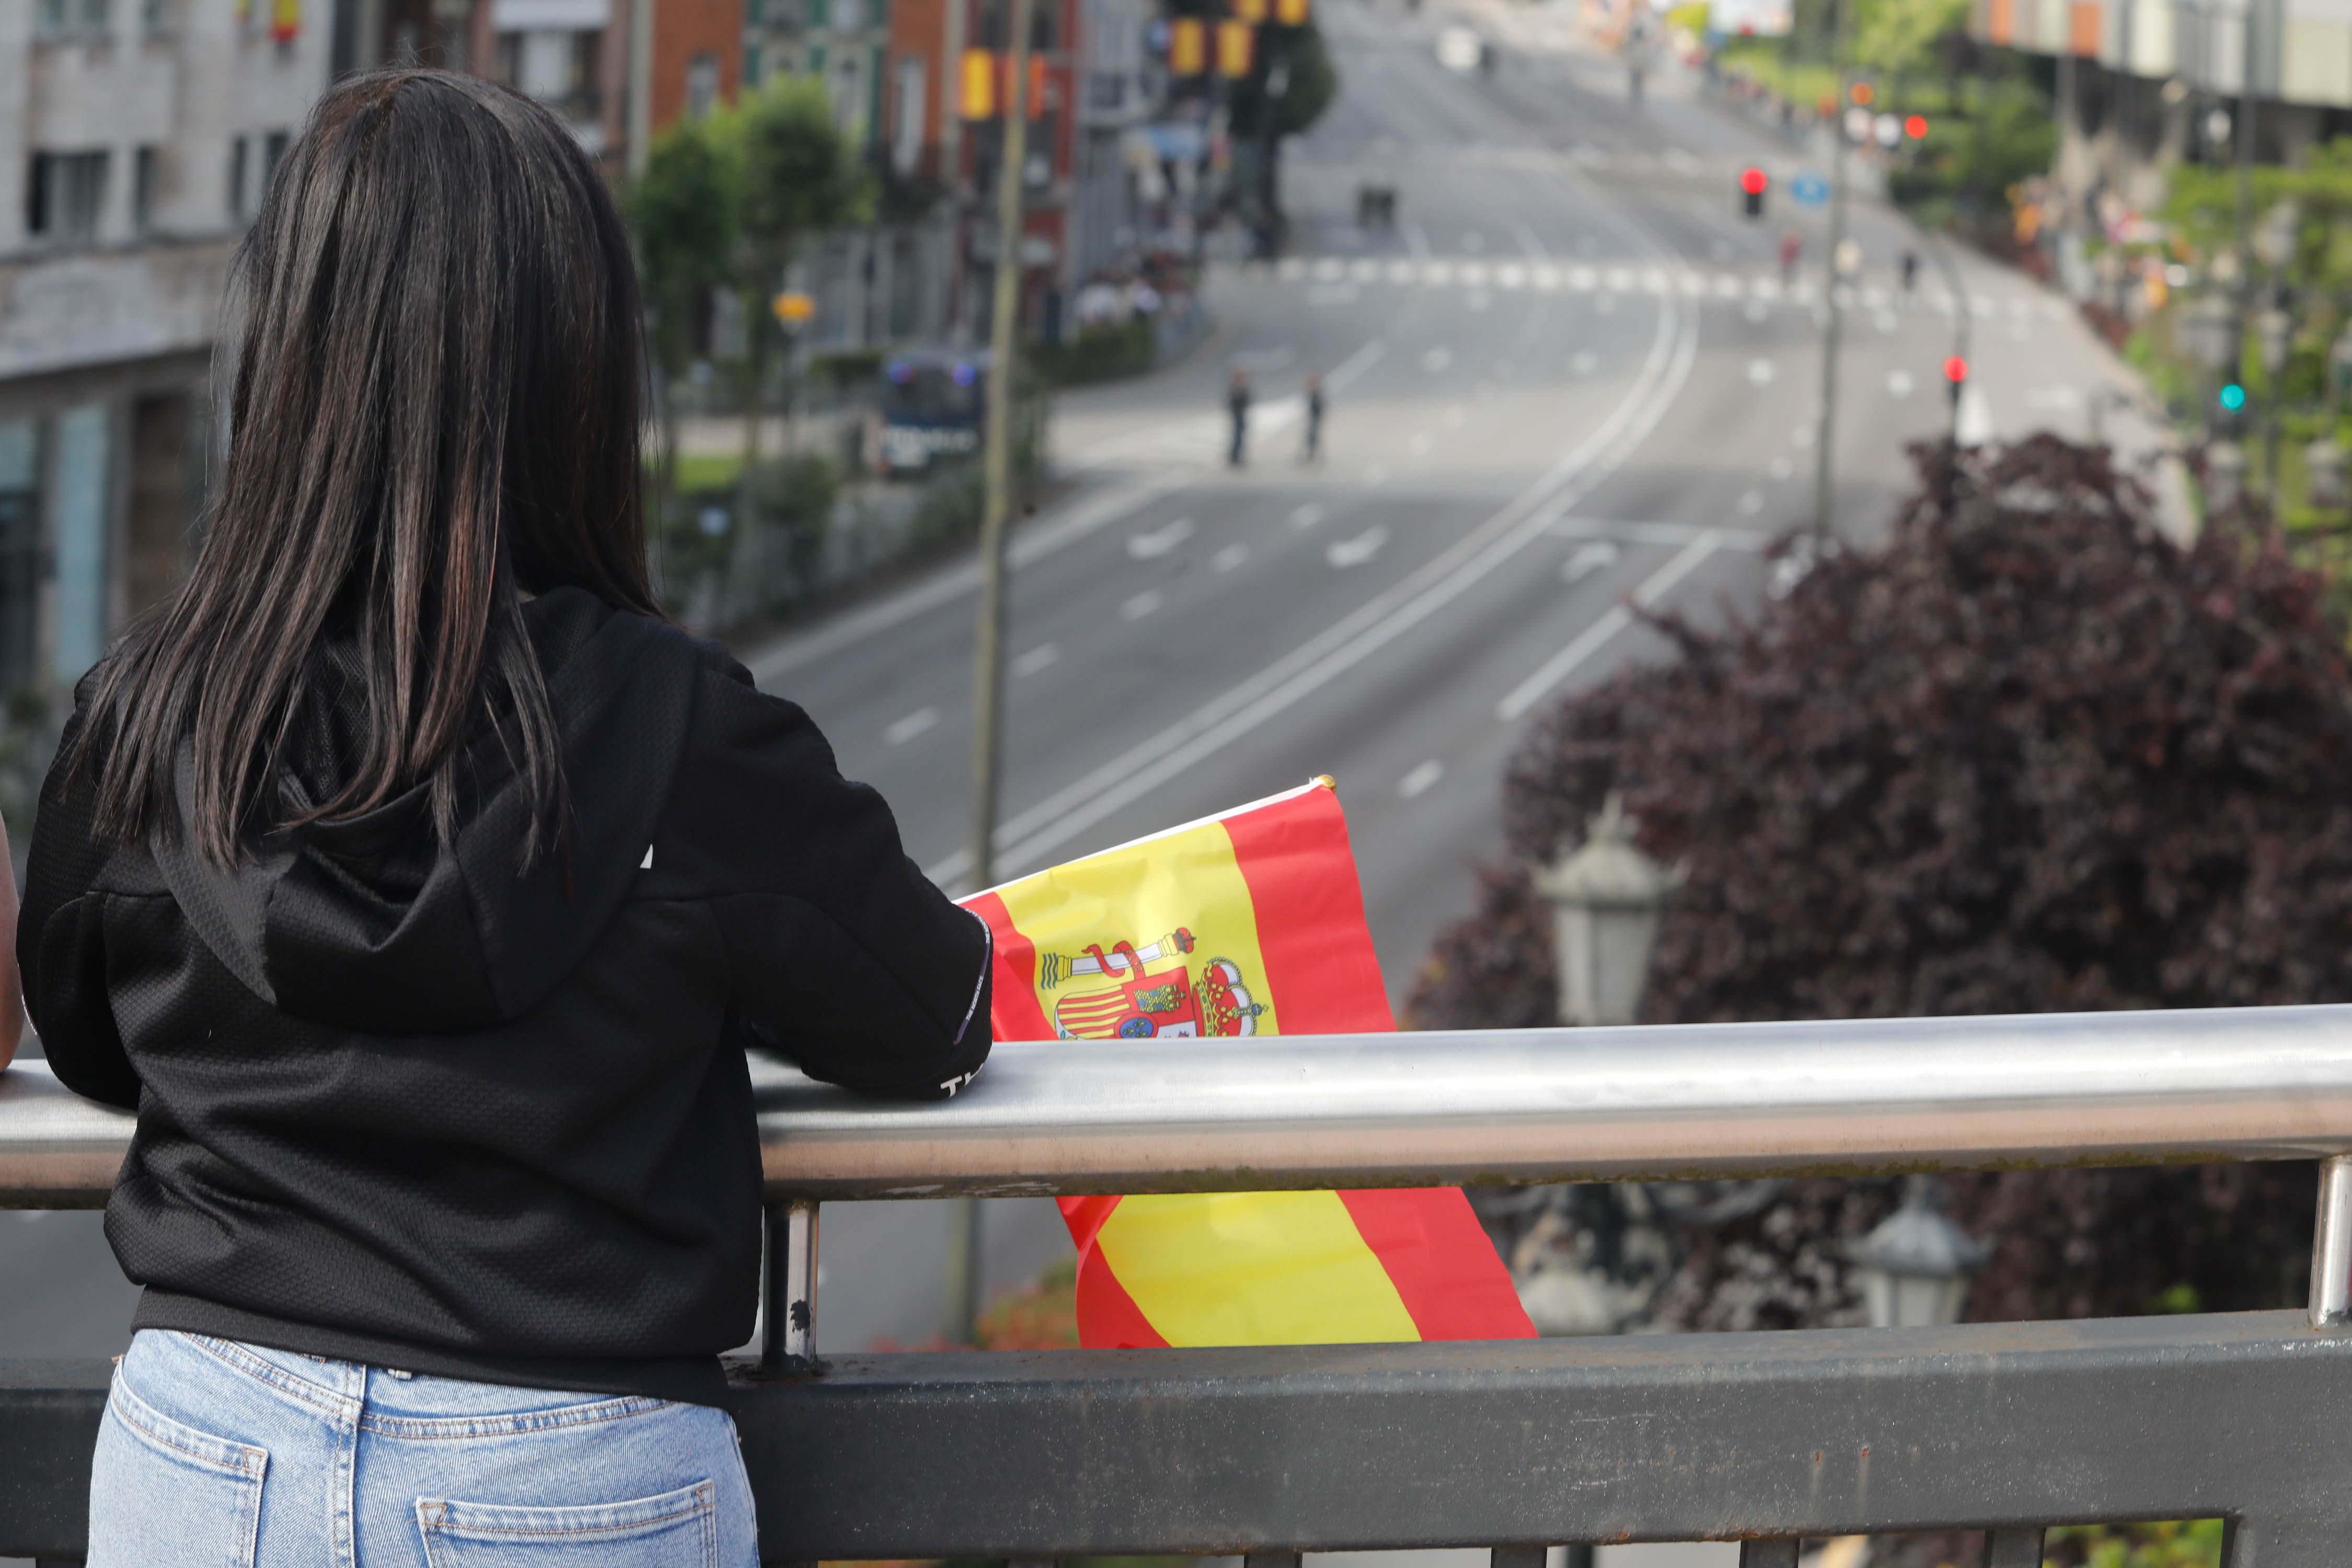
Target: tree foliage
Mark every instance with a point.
(1313, 82)
(683, 207)
(2029, 756)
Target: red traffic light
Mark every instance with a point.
(1916, 128)
(1753, 180)
(1955, 370)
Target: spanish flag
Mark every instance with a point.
(1249, 923)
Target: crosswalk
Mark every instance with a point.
(1708, 284)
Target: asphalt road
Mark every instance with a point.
(1568, 380)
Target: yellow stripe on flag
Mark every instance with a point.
(1252, 1268)
(1141, 893)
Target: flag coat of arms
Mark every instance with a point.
(1249, 923)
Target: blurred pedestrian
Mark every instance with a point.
(1237, 404)
(1910, 272)
(1790, 248)
(421, 886)
(1313, 450)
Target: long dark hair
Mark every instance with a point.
(433, 412)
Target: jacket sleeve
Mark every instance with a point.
(843, 955)
(60, 944)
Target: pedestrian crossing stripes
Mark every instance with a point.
(1730, 287)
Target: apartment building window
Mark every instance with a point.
(146, 166)
(77, 515)
(20, 549)
(64, 194)
(907, 143)
(70, 18)
(252, 160)
(239, 210)
(701, 86)
(555, 65)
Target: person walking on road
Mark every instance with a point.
(1312, 452)
(1237, 404)
(422, 888)
(1910, 272)
(1790, 248)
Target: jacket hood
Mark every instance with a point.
(375, 924)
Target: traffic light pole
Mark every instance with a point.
(1824, 466)
(996, 511)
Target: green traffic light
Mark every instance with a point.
(2233, 397)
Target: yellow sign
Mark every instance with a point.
(1290, 12)
(1250, 11)
(1235, 41)
(979, 85)
(1188, 46)
(792, 309)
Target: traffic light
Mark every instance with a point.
(1753, 184)
(1916, 128)
(2233, 397)
(1188, 46)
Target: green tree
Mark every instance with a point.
(683, 207)
(796, 177)
(1310, 83)
(1904, 38)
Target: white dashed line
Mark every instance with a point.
(1231, 556)
(1142, 604)
(1306, 515)
(902, 731)
(1043, 656)
(1155, 543)
(1416, 784)
(1346, 552)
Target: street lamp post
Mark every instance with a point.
(1824, 466)
(1606, 898)
(1915, 1266)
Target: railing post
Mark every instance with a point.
(1270, 1560)
(789, 1343)
(1780, 1554)
(2331, 1245)
(2013, 1549)
(1519, 1556)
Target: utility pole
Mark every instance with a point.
(996, 511)
(1823, 461)
(2244, 133)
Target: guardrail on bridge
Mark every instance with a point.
(1513, 1446)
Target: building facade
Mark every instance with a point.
(2141, 80)
(136, 138)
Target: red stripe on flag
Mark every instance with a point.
(1438, 1258)
(1320, 968)
(1109, 1318)
(1013, 1013)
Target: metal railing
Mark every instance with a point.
(1765, 1438)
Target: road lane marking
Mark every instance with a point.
(899, 732)
(1434, 361)
(1042, 657)
(1417, 783)
(1155, 543)
(1346, 552)
(1420, 445)
(1590, 641)
(1750, 502)
(1593, 555)
(1899, 384)
(1084, 516)
(1230, 557)
(1026, 839)
(1760, 372)
(1306, 515)
(1141, 605)
(1780, 468)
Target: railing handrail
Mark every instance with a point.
(1720, 1100)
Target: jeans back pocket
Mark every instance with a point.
(164, 1495)
(676, 1530)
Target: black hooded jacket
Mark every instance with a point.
(399, 1104)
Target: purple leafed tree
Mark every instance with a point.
(2029, 756)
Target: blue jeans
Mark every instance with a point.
(229, 1455)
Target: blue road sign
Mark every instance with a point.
(1810, 189)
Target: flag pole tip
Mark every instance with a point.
(1326, 780)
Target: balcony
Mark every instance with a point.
(1512, 1445)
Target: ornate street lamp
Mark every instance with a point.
(1915, 1266)
(1606, 899)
